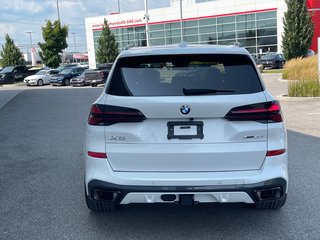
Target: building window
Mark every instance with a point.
(188, 31)
(255, 31)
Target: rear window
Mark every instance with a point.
(168, 75)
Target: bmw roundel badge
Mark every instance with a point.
(185, 109)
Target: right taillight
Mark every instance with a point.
(261, 112)
(104, 115)
(272, 153)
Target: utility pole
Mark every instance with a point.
(58, 10)
(181, 22)
(29, 32)
(32, 52)
(146, 16)
(74, 41)
(118, 6)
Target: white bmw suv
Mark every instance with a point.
(185, 124)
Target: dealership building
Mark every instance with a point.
(256, 24)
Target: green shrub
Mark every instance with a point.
(304, 88)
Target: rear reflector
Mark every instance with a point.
(105, 115)
(275, 152)
(264, 112)
(97, 154)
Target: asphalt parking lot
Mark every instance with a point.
(41, 178)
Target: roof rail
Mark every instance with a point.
(183, 44)
(237, 44)
(129, 46)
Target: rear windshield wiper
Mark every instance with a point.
(193, 91)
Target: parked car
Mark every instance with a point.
(169, 134)
(40, 78)
(273, 60)
(94, 78)
(310, 53)
(257, 62)
(14, 74)
(83, 64)
(64, 76)
(79, 80)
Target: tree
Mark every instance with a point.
(10, 54)
(107, 50)
(298, 29)
(55, 37)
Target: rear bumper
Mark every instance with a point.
(148, 187)
(125, 194)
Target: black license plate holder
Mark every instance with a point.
(185, 130)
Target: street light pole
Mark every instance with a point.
(58, 10)
(181, 22)
(74, 41)
(33, 62)
(118, 6)
(146, 16)
(29, 32)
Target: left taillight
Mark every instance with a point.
(264, 112)
(105, 115)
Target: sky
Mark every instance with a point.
(19, 16)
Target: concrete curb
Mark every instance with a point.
(293, 99)
(270, 74)
(12, 85)
(282, 80)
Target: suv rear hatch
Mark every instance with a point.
(180, 113)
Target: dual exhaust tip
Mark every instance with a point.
(105, 196)
(268, 194)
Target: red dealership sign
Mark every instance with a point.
(119, 23)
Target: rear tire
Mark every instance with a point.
(100, 207)
(276, 204)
